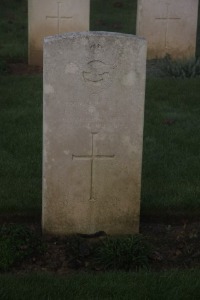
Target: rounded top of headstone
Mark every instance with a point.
(106, 34)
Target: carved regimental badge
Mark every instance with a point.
(99, 71)
(96, 72)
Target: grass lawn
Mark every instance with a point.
(171, 157)
(171, 162)
(152, 286)
(13, 31)
(106, 15)
(21, 143)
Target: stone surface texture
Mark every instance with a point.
(50, 17)
(94, 89)
(169, 26)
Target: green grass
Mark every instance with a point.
(105, 16)
(21, 143)
(13, 30)
(142, 286)
(123, 253)
(171, 160)
(18, 243)
(171, 164)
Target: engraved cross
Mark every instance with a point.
(92, 158)
(167, 19)
(58, 16)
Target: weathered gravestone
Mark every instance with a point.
(50, 17)
(169, 26)
(94, 85)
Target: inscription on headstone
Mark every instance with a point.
(167, 19)
(92, 158)
(58, 16)
(94, 87)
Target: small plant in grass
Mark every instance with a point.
(123, 253)
(18, 242)
(181, 68)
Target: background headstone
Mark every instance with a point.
(94, 86)
(169, 26)
(50, 17)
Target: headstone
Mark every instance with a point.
(50, 17)
(169, 26)
(94, 85)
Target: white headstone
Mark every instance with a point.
(170, 27)
(50, 17)
(94, 87)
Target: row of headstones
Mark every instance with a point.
(94, 91)
(168, 25)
